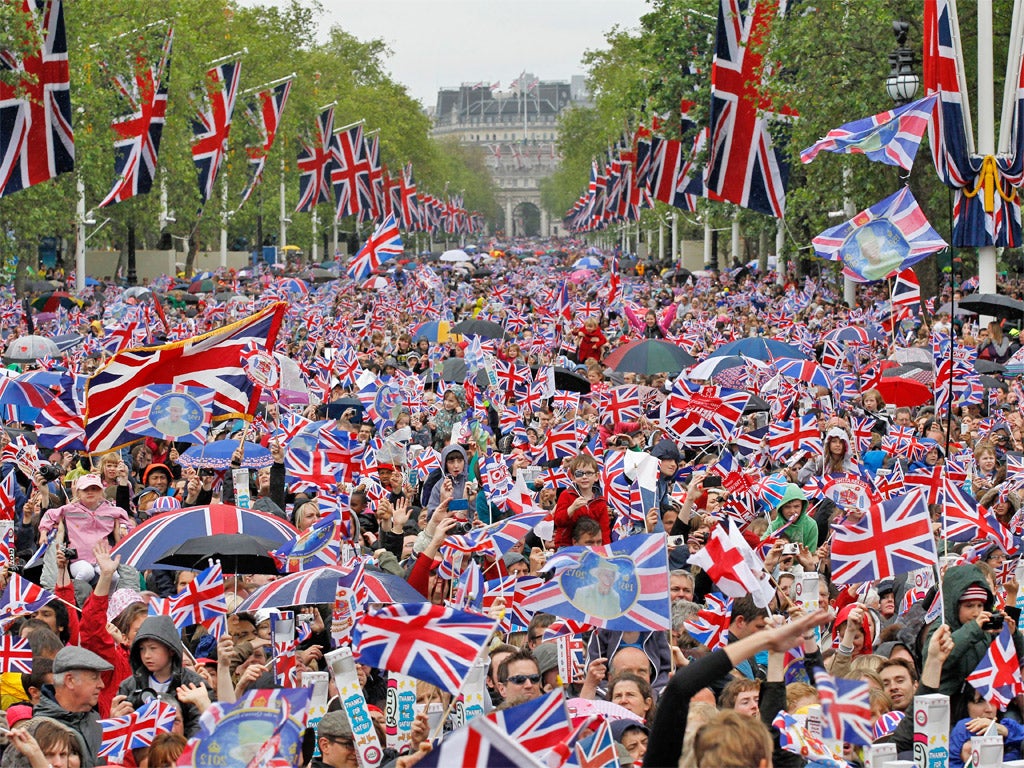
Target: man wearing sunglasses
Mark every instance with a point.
(519, 678)
(337, 744)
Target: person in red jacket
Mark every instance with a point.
(582, 499)
(592, 343)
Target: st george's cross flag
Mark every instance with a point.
(212, 360)
(429, 642)
(997, 677)
(888, 237)
(385, 243)
(891, 137)
(622, 585)
(894, 537)
(732, 565)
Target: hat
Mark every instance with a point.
(72, 657)
(512, 558)
(888, 586)
(17, 713)
(145, 491)
(546, 656)
(157, 468)
(666, 449)
(974, 592)
(619, 727)
(120, 600)
(334, 725)
(165, 504)
(88, 481)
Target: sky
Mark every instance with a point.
(444, 43)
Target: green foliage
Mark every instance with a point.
(280, 40)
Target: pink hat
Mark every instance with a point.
(88, 481)
(120, 600)
(17, 713)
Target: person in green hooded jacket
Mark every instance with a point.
(968, 603)
(791, 512)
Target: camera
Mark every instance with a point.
(462, 528)
(70, 554)
(304, 617)
(49, 472)
(791, 549)
(142, 697)
(206, 472)
(995, 622)
(677, 541)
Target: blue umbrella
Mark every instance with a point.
(588, 262)
(759, 348)
(92, 281)
(217, 455)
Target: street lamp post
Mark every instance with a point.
(902, 82)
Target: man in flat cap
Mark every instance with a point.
(77, 683)
(336, 742)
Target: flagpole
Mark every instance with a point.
(229, 57)
(892, 319)
(349, 126)
(451, 701)
(143, 28)
(271, 84)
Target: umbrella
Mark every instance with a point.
(852, 333)
(568, 380)
(988, 366)
(217, 455)
(51, 302)
(649, 356)
(995, 304)
(760, 348)
(706, 369)
(904, 355)
(154, 538)
(901, 391)
(202, 286)
(755, 404)
(455, 370)
(294, 285)
(137, 292)
(921, 372)
(320, 585)
(580, 276)
(607, 709)
(588, 262)
(66, 341)
(22, 394)
(237, 552)
(456, 255)
(947, 308)
(29, 348)
(991, 382)
(433, 330)
(322, 275)
(376, 283)
(488, 329)
(679, 275)
(804, 370)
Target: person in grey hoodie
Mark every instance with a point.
(156, 668)
(454, 467)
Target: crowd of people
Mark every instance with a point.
(708, 692)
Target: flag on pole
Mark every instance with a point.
(385, 243)
(997, 677)
(889, 236)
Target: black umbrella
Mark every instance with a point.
(756, 403)
(679, 275)
(454, 370)
(991, 382)
(995, 304)
(237, 552)
(567, 380)
(485, 328)
(988, 366)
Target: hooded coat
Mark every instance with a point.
(970, 641)
(162, 629)
(85, 724)
(458, 481)
(803, 530)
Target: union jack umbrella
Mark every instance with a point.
(144, 545)
(320, 585)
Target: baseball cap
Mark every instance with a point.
(88, 481)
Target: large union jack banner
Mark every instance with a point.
(428, 642)
(265, 116)
(212, 360)
(212, 124)
(894, 537)
(138, 143)
(744, 166)
(36, 139)
(314, 163)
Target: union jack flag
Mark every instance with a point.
(901, 442)
(36, 138)
(562, 440)
(265, 116)
(425, 462)
(15, 654)
(845, 708)
(320, 544)
(891, 137)
(596, 751)
(537, 725)
(862, 427)
(997, 677)
(906, 290)
(20, 598)
(314, 470)
(314, 163)
(138, 145)
(891, 484)
(480, 744)
(895, 536)
(428, 642)
(385, 243)
(620, 404)
(710, 626)
(212, 124)
(136, 730)
(802, 433)
(647, 578)
(143, 420)
(201, 601)
(702, 415)
(210, 361)
(744, 167)
(350, 166)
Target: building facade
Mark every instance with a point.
(518, 129)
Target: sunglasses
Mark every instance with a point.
(521, 679)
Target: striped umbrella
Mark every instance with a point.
(153, 539)
(294, 285)
(320, 585)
